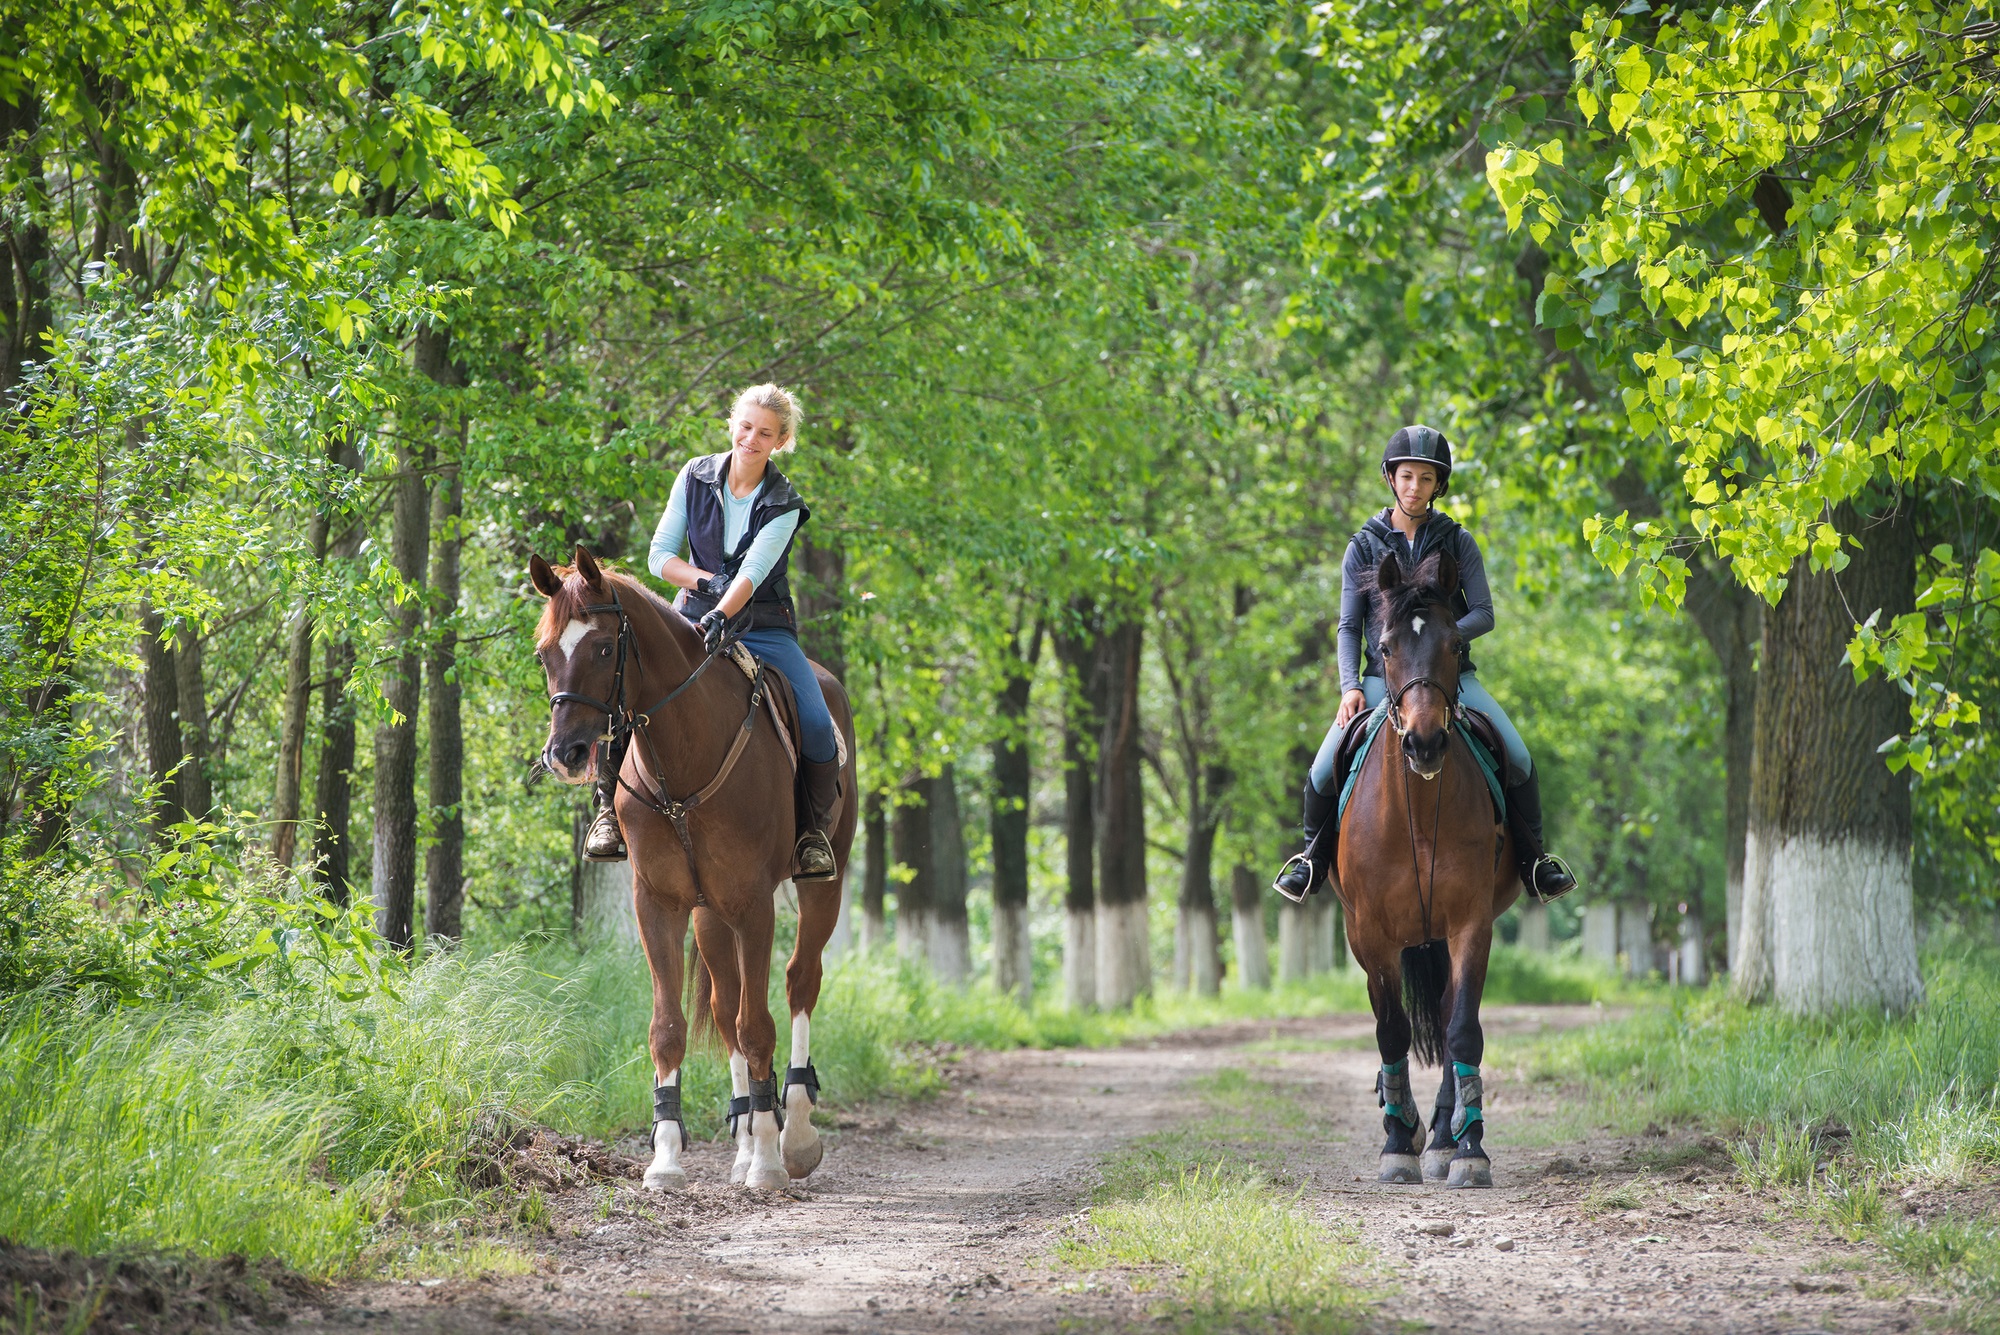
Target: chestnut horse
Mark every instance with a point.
(706, 803)
(1423, 869)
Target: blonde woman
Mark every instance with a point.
(735, 516)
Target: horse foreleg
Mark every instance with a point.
(757, 1040)
(662, 931)
(1465, 1041)
(1392, 1085)
(819, 909)
(717, 942)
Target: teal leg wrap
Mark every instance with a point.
(1471, 1093)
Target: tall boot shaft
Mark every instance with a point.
(1318, 811)
(1524, 807)
(822, 781)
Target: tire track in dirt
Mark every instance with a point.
(941, 1215)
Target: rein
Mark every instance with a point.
(624, 723)
(1424, 900)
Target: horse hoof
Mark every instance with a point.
(739, 1171)
(765, 1179)
(1437, 1165)
(666, 1179)
(801, 1157)
(1399, 1168)
(1470, 1173)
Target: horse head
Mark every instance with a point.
(1419, 646)
(578, 646)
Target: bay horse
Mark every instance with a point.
(706, 803)
(1423, 868)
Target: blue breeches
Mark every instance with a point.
(780, 648)
(1473, 695)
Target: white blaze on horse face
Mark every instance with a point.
(572, 633)
(1416, 624)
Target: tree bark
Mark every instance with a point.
(191, 685)
(333, 789)
(1294, 943)
(1013, 951)
(1253, 956)
(291, 761)
(1197, 953)
(162, 692)
(874, 873)
(1534, 933)
(25, 311)
(1082, 718)
(444, 867)
(911, 835)
(1828, 864)
(395, 843)
(1124, 951)
(950, 937)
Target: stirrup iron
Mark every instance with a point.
(1312, 886)
(1534, 881)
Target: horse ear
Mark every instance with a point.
(542, 577)
(586, 565)
(1389, 574)
(1447, 574)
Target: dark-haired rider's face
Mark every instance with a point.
(1414, 485)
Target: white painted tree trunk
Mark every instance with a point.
(1693, 952)
(1124, 954)
(1197, 962)
(1253, 953)
(913, 934)
(604, 893)
(1294, 951)
(1534, 934)
(1600, 933)
(1013, 952)
(1080, 960)
(1321, 945)
(951, 950)
(1843, 932)
(1635, 937)
(1750, 943)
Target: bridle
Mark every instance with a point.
(624, 723)
(1451, 703)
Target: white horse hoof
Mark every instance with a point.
(1399, 1168)
(765, 1179)
(804, 1151)
(666, 1179)
(1470, 1173)
(738, 1171)
(1437, 1165)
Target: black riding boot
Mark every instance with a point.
(814, 855)
(604, 841)
(1547, 877)
(1304, 871)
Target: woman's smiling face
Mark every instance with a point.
(755, 433)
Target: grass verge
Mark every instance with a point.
(1203, 1213)
(1885, 1128)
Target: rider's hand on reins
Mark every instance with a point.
(1351, 703)
(712, 625)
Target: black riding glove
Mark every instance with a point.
(712, 625)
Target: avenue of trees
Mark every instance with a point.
(316, 319)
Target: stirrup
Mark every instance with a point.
(813, 858)
(1534, 880)
(604, 841)
(1312, 884)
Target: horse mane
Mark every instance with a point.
(568, 602)
(1420, 591)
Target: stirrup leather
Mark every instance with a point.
(1534, 880)
(1296, 859)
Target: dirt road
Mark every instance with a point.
(942, 1216)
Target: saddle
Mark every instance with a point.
(783, 706)
(1478, 730)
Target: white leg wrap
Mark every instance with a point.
(800, 1141)
(665, 1172)
(739, 1087)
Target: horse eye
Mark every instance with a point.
(604, 651)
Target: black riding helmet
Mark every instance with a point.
(1419, 445)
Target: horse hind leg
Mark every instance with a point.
(717, 946)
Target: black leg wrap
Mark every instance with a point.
(764, 1098)
(667, 1108)
(738, 1107)
(801, 1075)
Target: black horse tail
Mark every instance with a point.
(1426, 971)
(700, 1004)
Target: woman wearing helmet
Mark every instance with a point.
(1417, 466)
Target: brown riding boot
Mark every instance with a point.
(813, 857)
(604, 841)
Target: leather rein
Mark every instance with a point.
(625, 723)
(1454, 711)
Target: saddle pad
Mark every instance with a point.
(1484, 741)
(1371, 724)
(1351, 753)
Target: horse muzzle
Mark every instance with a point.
(1425, 755)
(570, 762)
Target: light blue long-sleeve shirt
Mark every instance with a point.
(670, 537)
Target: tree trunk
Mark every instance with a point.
(333, 790)
(444, 868)
(1294, 943)
(950, 936)
(601, 908)
(162, 716)
(874, 874)
(291, 760)
(1082, 717)
(25, 312)
(1124, 954)
(395, 845)
(1013, 952)
(1828, 862)
(1534, 933)
(910, 832)
(1253, 956)
(191, 685)
(1197, 953)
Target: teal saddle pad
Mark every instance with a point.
(1373, 725)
